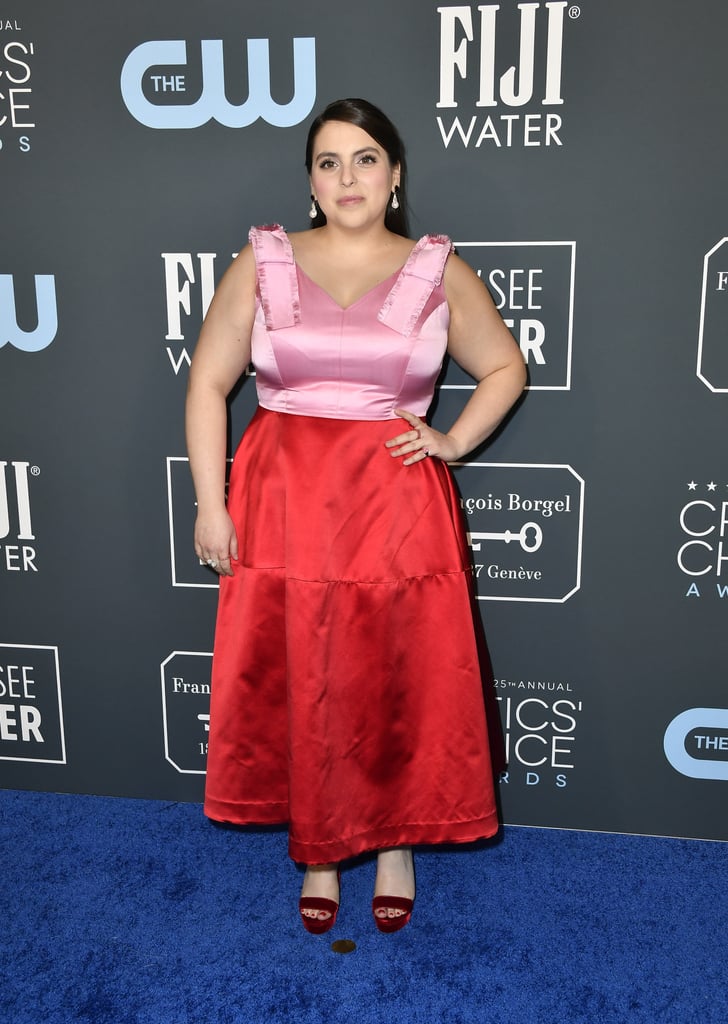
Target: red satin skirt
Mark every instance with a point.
(347, 693)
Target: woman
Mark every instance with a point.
(346, 693)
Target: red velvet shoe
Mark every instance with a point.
(382, 904)
(318, 925)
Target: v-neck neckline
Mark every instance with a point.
(344, 309)
(391, 280)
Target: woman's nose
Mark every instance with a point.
(347, 176)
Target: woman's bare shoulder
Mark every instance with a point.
(304, 241)
(239, 280)
(459, 276)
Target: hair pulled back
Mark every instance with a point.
(374, 122)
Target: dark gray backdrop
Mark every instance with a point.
(598, 517)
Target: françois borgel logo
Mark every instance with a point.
(524, 525)
(532, 286)
(17, 554)
(702, 554)
(501, 74)
(31, 713)
(696, 743)
(713, 330)
(42, 300)
(186, 710)
(17, 59)
(165, 87)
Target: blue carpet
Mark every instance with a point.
(140, 912)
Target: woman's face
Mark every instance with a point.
(351, 176)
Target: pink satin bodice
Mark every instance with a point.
(383, 352)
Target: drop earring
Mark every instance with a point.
(395, 201)
(313, 212)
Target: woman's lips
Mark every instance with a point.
(349, 200)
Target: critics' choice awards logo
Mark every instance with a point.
(713, 331)
(187, 570)
(702, 554)
(17, 59)
(186, 710)
(501, 71)
(17, 553)
(532, 285)
(696, 743)
(44, 315)
(165, 87)
(524, 525)
(31, 714)
(540, 721)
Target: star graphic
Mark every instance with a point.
(712, 486)
(692, 485)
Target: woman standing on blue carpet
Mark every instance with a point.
(347, 695)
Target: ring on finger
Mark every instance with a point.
(426, 451)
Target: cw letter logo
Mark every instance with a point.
(706, 732)
(213, 104)
(45, 331)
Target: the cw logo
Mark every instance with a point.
(45, 331)
(706, 728)
(213, 104)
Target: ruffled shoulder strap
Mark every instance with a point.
(421, 274)
(277, 280)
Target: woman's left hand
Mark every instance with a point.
(421, 441)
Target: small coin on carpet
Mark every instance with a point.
(343, 946)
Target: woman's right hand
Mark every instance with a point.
(216, 541)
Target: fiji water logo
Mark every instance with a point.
(148, 79)
(496, 60)
(16, 527)
(46, 327)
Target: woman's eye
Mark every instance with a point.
(326, 165)
(368, 158)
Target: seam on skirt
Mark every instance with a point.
(381, 583)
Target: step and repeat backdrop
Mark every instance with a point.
(577, 155)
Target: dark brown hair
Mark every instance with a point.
(375, 123)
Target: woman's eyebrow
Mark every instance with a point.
(358, 152)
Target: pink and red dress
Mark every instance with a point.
(347, 693)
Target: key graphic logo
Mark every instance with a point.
(524, 526)
(713, 332)
(186, 710)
